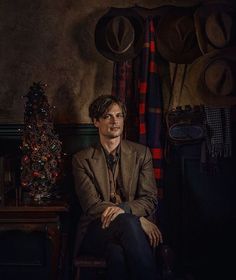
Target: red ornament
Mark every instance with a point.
(36, 174)
(54, 174)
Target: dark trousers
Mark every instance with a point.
(125, 247)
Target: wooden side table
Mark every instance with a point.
(44, 218)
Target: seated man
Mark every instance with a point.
(116, 189)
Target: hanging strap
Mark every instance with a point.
(177, 96)
(172, 85)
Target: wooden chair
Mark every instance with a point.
(87, 262)
(165, 256)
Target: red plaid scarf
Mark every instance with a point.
(150, 101)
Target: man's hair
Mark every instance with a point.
(101, 104)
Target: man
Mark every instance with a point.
(116, 189)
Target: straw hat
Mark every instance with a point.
(119, 34)
(176, 37)
(215, 25)
(211, 80)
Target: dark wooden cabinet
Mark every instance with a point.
(47, 219)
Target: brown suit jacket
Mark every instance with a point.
(92, 181)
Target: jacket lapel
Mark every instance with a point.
(99, 167)
(128, 162)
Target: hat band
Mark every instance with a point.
(121, 51)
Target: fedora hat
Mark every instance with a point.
(215, 25)
(119, 34)
(211, 78)
(176, 37)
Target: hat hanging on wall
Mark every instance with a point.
(215, 25)
(211, 78)
(119, 34)
(176, 37)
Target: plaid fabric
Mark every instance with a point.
(218, 132)
(122, 80)
(123, 87)
(218, 142)
(150, 101)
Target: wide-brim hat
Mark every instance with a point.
(211, 78)
(215, 25)
(119, 34)
(176, 36)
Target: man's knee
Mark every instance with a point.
(128, 221)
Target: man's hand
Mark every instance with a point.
(110, 214)
(152, 232)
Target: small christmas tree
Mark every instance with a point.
(41, 148)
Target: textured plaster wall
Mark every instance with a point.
(53, 41)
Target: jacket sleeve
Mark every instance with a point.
(88, 196)
(145, 198)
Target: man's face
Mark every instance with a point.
(111, 124)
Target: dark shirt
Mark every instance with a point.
(114, 171)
